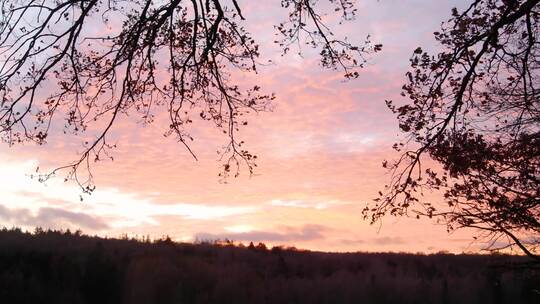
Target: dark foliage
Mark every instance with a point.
(474, 108)
(57, 267)
(86, 64)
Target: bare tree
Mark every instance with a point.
(90, 62)
(475, 109)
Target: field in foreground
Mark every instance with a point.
(59, 267)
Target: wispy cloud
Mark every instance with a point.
(318, 204)
(51, 218)
(305, 233)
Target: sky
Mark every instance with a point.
(320, 152)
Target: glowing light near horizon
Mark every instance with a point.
(240, 228)
(19, 191)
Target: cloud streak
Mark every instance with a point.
(308, 232)
(51, 218)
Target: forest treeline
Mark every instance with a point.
(50, 266)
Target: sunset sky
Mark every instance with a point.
(320, 152)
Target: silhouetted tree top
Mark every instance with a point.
(55, 267)
(87, 63)
(474, 108)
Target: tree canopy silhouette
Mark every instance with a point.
(474, 108)
(90, 62)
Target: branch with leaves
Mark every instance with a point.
(147, 57)
(475, 109)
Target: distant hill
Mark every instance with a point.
(64, 267)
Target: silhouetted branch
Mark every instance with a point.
(174, 56)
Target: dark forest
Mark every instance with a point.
(70, 267)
